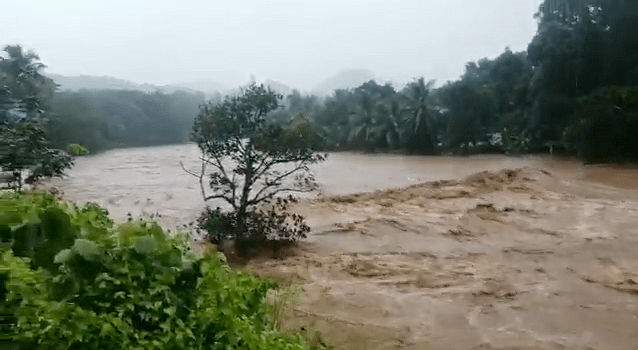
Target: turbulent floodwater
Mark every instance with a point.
(412, 252)
(150, 181)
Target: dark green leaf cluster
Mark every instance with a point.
(237, 117)
(71, 279)
(273, 224)
(607, 125)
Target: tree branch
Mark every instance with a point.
(276, 182)
(200, 177)
(221, 196)
(272, 194)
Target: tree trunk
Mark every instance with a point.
(248, 180)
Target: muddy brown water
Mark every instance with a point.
(150, 180)
(505, 253)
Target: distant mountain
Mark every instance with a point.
(92, 82)
(205, 86)
(345, 79)
(279, 87)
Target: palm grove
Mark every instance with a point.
(573, 90)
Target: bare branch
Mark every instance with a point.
(221, 196)
(276, 181)
(272, 194)
(200, 177)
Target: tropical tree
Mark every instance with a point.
(418, 127)
(24, 152)
(24, 91)
(367, 120)
(26, 157)
(332, 120)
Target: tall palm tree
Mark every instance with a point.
(419, 126)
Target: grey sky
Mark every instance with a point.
(297, 42)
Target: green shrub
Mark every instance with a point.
(81, 282)
(75, 149)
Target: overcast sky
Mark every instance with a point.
(296, 42)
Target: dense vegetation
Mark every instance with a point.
(71, 279)
(25, 152)
(102, 119)
(572, 90)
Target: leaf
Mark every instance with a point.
(145, 245)
(170, 311)
(86, 249)
(63, 256)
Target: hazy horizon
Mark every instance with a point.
(300, 45)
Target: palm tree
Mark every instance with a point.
(418, 126)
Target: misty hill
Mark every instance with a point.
(279, 87)
(205, 86)
(345, 79)
(92, 82)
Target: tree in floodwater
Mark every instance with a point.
(253, 163)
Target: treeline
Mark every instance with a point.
(574, 90)
(487, 110)
(95, 119)
(102, 119)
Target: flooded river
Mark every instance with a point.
(150, 180)
(506, 253)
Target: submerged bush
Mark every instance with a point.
(75, 149)
(72, 279)
(273, 223)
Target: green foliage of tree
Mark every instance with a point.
(26, 157)
(606, 125)
(581, 47)
(24, 152)
(253, 162)
(24, 91)
(418, 128)
(71, 279)
(75, 118)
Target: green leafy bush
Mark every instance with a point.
(75, 149)
(77, 281)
